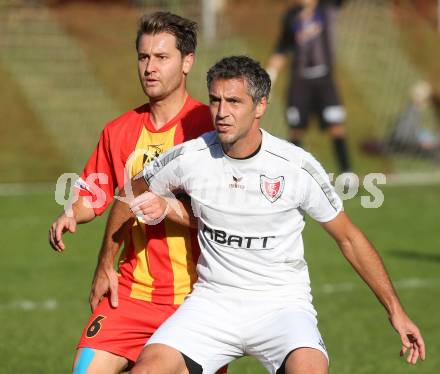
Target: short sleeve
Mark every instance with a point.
(319, 198)
(98, 180)
(164, 173)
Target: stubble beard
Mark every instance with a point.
(160, 92)
(227, 140)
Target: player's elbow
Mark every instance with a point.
(353, 245)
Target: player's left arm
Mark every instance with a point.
(120, 219)
(153, 208)
(134, 199)
(163, 177)
(361, 254)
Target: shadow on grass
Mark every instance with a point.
(413, 255)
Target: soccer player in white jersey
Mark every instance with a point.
(250, 191)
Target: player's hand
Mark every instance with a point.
(149, 207)
(413, 345)
(105, 281)
(62, 224)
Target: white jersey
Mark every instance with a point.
(251, 211)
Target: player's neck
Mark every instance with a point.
(245, 147)
(164, 110)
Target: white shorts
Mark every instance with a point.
(214, 329)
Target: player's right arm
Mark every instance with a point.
(97, 184)
(80, 213)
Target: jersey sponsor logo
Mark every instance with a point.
(271, 188)
(236, 183)
(236, 241)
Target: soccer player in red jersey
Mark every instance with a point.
(157, 265)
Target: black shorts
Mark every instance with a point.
(313, 96)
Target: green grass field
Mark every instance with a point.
(43, 298)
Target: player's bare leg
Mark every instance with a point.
(160, 358)
(95, 361)
(306, 361)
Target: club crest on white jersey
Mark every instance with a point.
(271, 188)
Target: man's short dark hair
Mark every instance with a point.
(183, 29)
(257, 79)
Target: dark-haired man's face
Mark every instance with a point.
(161, 67)
(235, 115)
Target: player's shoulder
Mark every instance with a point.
(196, 118)
(127, 119)
(195, 108)
(190, 149)
(203, 143)
(284, 151)
(194, 104)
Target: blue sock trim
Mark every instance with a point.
(84, 360)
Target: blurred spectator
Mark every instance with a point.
(408, 134)
(307, 32)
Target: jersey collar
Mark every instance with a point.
(172, 122)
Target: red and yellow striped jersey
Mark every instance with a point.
(158, 263)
